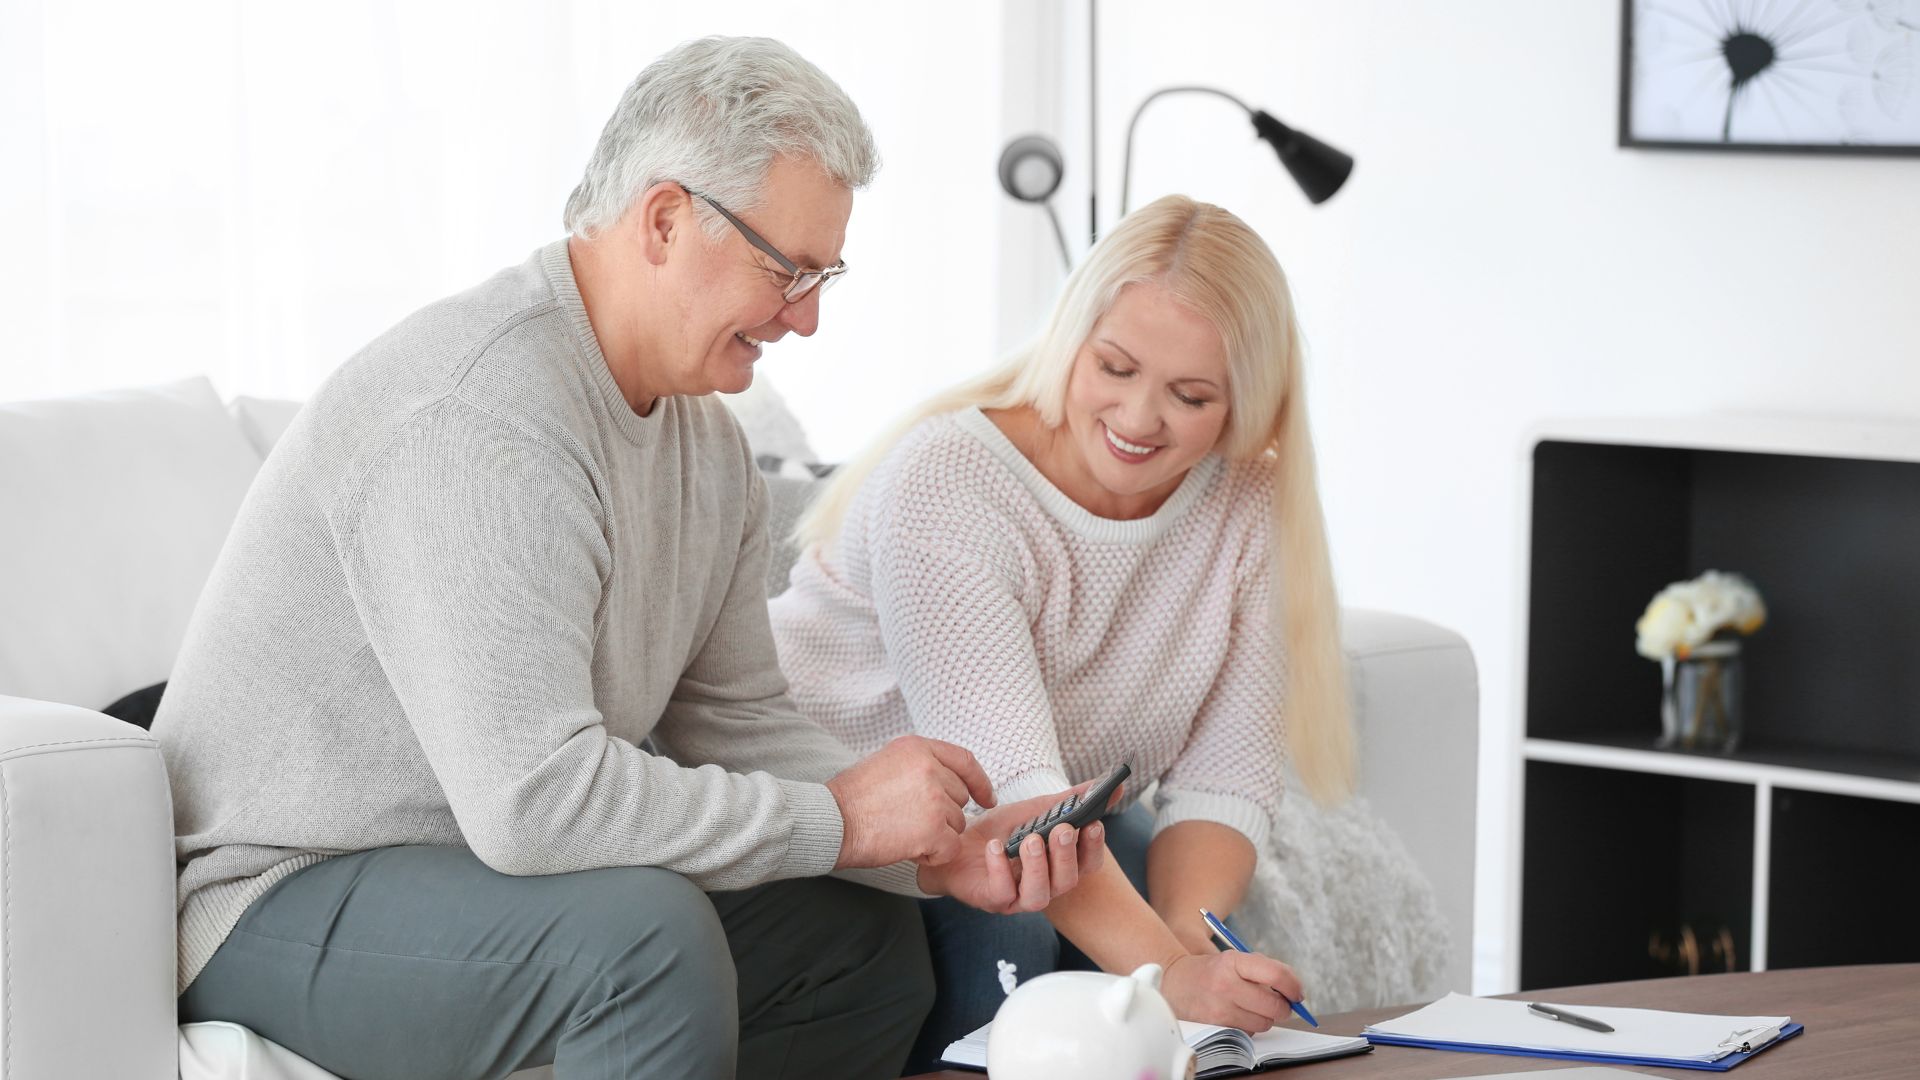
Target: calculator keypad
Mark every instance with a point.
(1060, 810)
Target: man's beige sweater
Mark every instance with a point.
(466, 585)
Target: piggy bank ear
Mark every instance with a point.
(1117, 1000)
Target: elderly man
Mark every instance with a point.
(481, 757)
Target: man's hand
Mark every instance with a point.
(1236, 989)
(904, 801)
(983, 877)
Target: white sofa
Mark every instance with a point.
(113, 508)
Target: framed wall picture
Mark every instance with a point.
(1808, 76)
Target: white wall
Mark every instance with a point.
(1496, 259)
(254, 193)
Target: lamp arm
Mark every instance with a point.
(1126, 160)
(1060, 234)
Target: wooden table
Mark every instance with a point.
(1862, 1023)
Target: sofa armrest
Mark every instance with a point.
(1416, 702)
(86, 896)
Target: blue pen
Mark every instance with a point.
(1220, 931)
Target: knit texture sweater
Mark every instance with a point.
(966, 598)
(467, 584)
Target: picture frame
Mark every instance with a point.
(1795, 76)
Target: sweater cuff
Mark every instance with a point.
(813, 845)
(900, 879)
(1028, 784)
(1234, 811)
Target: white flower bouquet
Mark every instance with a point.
(1687, 614)
(1692, 628)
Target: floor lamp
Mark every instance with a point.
(1031, 166)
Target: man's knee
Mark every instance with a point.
(654, 936)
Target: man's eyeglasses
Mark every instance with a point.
(804, 281)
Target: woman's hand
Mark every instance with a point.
(1235, 989)
(983, 877)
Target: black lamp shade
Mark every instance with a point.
(1319, 169)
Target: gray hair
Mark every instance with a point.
(713, 114)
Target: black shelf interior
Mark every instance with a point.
(1833, 545)
(1842, 881)
(1614, 861)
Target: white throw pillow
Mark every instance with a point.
(113, 507)
(772, 429)
(263, 420)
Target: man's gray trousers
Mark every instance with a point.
(421, 963)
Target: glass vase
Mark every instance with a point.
(1700, 699)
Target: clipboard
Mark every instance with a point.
(1718, 1065)
(1602, 1035)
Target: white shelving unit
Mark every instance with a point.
(1622, 506)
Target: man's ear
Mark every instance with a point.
(663, 217)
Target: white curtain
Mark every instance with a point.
(253, 191)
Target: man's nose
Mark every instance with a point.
(803, 315)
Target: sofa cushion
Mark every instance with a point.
(216, 1050)
(114, 507)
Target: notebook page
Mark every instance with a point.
(1287, 1044)
(1198, 1035)
(1650, 1033)
(1277, 1044)
(969, 1049)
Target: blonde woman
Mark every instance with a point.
(1110, 548)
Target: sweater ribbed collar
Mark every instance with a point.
(1075, 517)
(638, 429)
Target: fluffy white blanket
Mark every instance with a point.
(1339, 899)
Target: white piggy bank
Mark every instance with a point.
(1083, 1025)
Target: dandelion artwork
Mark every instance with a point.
(1829, 75)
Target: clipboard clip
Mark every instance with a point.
(1750, 1038)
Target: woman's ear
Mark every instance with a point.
(660, 217)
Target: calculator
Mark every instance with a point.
(1076, 810)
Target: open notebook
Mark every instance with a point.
(1217, 1051)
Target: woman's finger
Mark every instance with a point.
(1034, 891)
(1092, 848)
(1266, 971)
(1251, 1023)
(1001, 890)
(1063, 859)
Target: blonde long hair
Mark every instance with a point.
(1213, 263)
